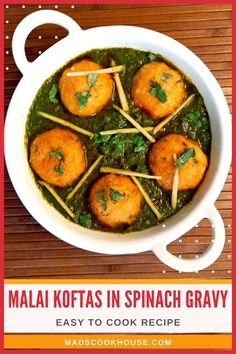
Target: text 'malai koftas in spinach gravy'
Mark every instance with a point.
(118, 140)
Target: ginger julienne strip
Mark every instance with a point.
(174, 194)
(115, 69)
(58, 199)
(125, 131)
(147, 198)
(83, 179)
(107, 169)
(134, 123)
(172, 115)
(65, 123)
(120, 90)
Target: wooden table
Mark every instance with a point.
(30, 251)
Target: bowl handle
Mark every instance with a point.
(29, 23)
(207, 258)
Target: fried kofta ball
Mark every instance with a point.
(58, 157)
(161, 161)
(115, 200)
(85, 95)
(158, 89)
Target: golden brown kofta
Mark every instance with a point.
(164, 78)
(58, 157)
(161, 162)
(115, 200)
(94, 96)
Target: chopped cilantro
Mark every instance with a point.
(165, 77)
(101, 139)
(194, 116)
(61, 158)
(92, 78)
(82, 98)
(101, 198)
(58, 169)
(115, 196)
(52, 94)
(118, 145)
(58, 154)
(151, 56)
(138, 143)
(153, 83)
(184, 158)
(157, 91)
(113, 146)
(85, 219)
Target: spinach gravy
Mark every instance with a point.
(120, 151)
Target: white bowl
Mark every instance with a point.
(77, 42)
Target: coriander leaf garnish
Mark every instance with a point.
(183, 159)
(85, 219)
(82, 98)
(101, 139)
(115, 196)
(138, 143)
(151, 56)
(157, 91)
(58, 154)
(194, 116)
(92, 78)
(53, 153)
(101, 198)
(58, 169)
(113, 146)
(165, 77)
(52, 94)
(118, 145)
(153, 83)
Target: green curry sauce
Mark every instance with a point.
(126, 151)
